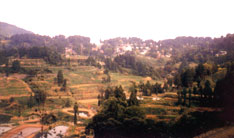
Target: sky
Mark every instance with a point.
(104, 19)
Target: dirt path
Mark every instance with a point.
(225, 132)
(85, 85)
(9, 96)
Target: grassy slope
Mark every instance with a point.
(13, 86)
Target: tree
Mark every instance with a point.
(195, 90)
(224, 92)
(179, 94)
(200, 71)
(190, 97)
(187, 78)
(7, 67)
(99, 100)
(184, 92)
(207, 90)
(201, 93)
(198, 80)
(60, 77)
(30, 102)
(75, 108)
(177, 80)
(40, 96)
(64, 87)
(16, 66)
(108, 92)
(119, 93)
(133, 99)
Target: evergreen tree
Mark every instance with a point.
(64, 88)
(108, 92)
(198, 80)
(119, 93)
(99, 100)
(177, 80)
(195, 90)
(60, 77)
(7, 68)
(30, 102)
(75, 108)
(201, 93)
(187, 78)
(184, 92)
(133, 97)
(200, 71)
(207, 90)
(190, 97)
(179, 97)
(40, 96)
(224, 92)
(16, 66)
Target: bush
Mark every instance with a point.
(5, 118)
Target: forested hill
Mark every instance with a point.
(8, 30)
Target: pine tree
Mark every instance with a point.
(75, 108)
(195, 90)
(187, 78)
(64, 88)
(208, 90)
(16, 66)
(133, 99)
(60, 77)
(179, 97)
(200, 71)
(190, 97)
(30, 101)
(184, 95)
(201, 93)
(119, 93)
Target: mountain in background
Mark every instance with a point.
(7, 30)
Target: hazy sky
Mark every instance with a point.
(102, 19)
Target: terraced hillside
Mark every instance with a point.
(13, 87)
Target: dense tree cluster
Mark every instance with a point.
(224, 93)
(147, 88)
(118, 117)
(45, 47)
(129, 61)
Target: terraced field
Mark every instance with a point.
(13, 87)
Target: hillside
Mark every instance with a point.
(8, 30)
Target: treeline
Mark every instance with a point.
(148, 89)
(90, 61)
(45, 47)
(129, 61)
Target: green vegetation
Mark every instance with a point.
(171, 88)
